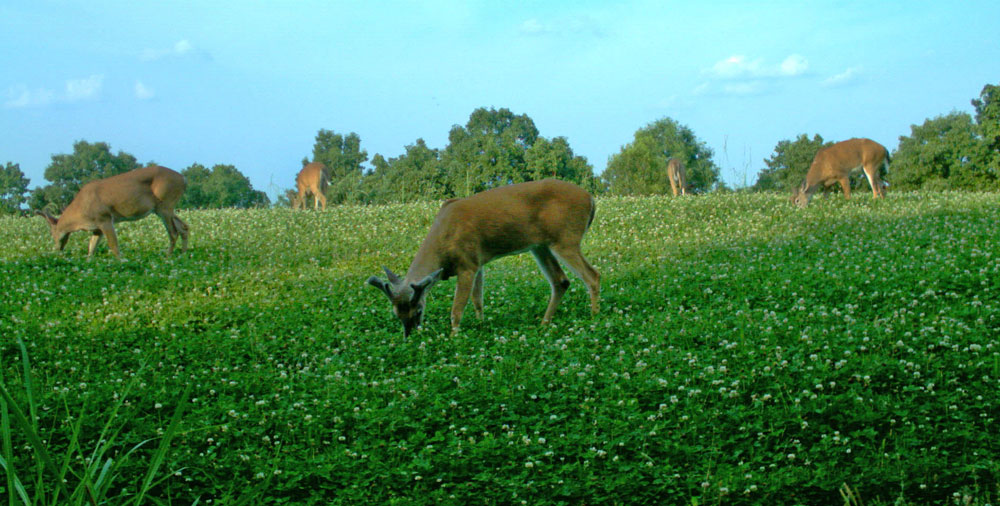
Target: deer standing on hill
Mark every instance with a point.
(547, 218)
(311, 179)
(126, 197)
(833, 164)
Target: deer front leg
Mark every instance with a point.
(94, 239)
(463, 288)
(477, 293)
(845, 184)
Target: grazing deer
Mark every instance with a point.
(126, 197)
(677, 175)
(547, 217)
(833, 164)
(311, 179)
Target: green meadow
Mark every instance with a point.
(746, 353)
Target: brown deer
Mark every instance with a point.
(311, 179)
(677, 175)
(126, 197)
(833, 164)
(547, 218)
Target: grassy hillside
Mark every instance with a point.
(746, 353)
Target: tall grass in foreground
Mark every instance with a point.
(746, 353)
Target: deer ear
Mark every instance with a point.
(381, 285)
(393, 278)
(48, 217)
(424, 284)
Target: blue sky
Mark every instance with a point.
(250, 83)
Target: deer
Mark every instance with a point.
(128, 196)
(547, 217)
(311, 179)
(677, 175)
(833, 164)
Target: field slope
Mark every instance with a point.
(746, 353)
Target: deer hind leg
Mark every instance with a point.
(557, 279)
(673, 184)
(477, 293)
(320, 200)
(871, 172)
(109, 231)
(572, 256)
(168, 223)
(182, 229)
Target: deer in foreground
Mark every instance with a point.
(547, 218)
(126, 197)
(677, 175)
(833, 164)
(311, 179)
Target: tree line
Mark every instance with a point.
(496, 147)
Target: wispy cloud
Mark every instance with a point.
(741, 67)
(75, 90)
(180, 48)
(842, 79)
(143, 92)
(533, 27)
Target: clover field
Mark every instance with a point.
(745, 353)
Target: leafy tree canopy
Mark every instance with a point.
(488, 151)
(640, 168)
(945, 152)
(67, 173)
(988, 121)
(341, 154)
(13, 188)
(222, 186)
(788, 165)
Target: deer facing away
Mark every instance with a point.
(312, 179)
(547, 218)
(125, 197)
(677, 175)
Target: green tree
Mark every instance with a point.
(344, 157)
(640, 168)
(556, 159)
(67, 173)
(417, 174)
(222, 186)
(945, 152)
(488, 151)
(788, 165)
(13, 188)
(988, 124)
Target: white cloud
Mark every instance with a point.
(84, 89)
(20, 96)
(143, 92)
(846, 77)
(794, 65)
(740, 67)
(180, 48)
(75, 90)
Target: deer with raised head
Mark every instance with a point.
(547, 218)
(126, 197)
(312, 179)
(677, 175)
(833, 164)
